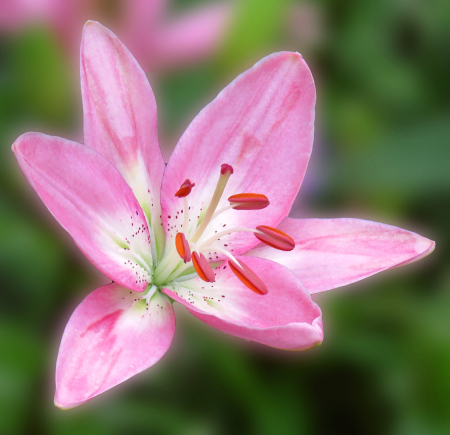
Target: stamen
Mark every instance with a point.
(225, 172)
(217, 249)
(186, 216)
(220, 234)
(248, 277)
(221, 210)
(249, 201)
(185, 189)
(202, 267)
(275, 238)
(182, 246)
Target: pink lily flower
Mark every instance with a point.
(209, 231)
(155, 38)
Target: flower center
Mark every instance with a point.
(186, 255)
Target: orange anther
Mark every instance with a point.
(185, 189)
(202, 267)
(182, 246)
(249, 201)
(248, 277)
(275, 238)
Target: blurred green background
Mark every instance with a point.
(382, 152)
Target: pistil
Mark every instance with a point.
(225, 172)
(162, 273)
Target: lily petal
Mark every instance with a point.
(192, 36)
(330, 253)
(110, 337)
(92, 201)
(285, 318)
(120, 117)
(262, 125)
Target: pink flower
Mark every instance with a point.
(163, 233)
(154, 39)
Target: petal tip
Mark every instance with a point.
(87, 25)
(319, 343)
(65, 406)
(423, 248)
(90, 23)
(61, 406)
(19, 141)
(317, 325)
(431, 247)
(27, 141)
(92, 27)
(14, 146)
(295, 55)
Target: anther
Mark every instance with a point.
(275, 238)
(249, 201)
(185, 189)
(248, 277)
(202, 267)
(182, 246)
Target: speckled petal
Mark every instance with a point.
(92, 201)
(285, 318)
(330, 253)
(120, 118)
(111, 336)
(262, 125)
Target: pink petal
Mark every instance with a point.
(15, 13)
(262, 125)
(330, 253)
(120, 119)
(111, 336)
(191, 36)
(140, 16)
(92, 201)
(285, 318)
(138, 23)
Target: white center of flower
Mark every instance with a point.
(186, 255)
